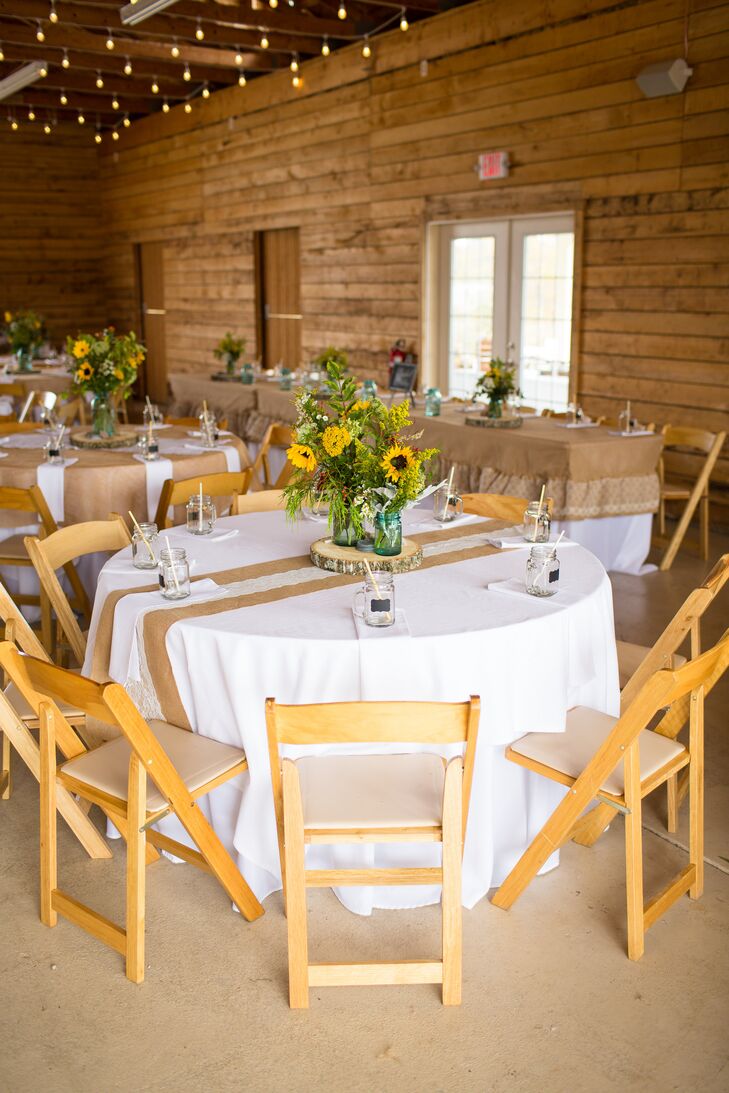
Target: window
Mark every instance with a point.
(503, 289)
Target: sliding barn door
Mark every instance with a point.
(279, 297)
(153, 377)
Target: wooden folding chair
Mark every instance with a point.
(71, 412)
(688, 442)
(637, 663)
(58, 551)
(15, 391)
(13, 552)
(263, 501)
(620, 761)
(181, 767)
(276, 436)
(192, 422)
(225, 484)
(119, 403)
(497, 506)
(372, 798)
(613, 423)
(7, 428)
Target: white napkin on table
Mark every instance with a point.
(50, 478)
(399, 628)
(634, 432)
(232, 456)
(511, 540)
(219, 536)
(515, 586)
(577, 424)
(157, 472)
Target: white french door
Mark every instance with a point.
(504, 289)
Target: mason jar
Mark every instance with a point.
(246, 374)
(174, 573)
(433, 401)
(537, 523)
(52, 451)
(200, 514)
(369, 391)
(542, 570)
(388, 534)
(145, 546)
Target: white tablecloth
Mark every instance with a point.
(620, 542)
(529, 660)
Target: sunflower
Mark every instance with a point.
(8, 316)
(301, 456)
(85, 372)
(80, 348)
(335, 439)
(396, 460)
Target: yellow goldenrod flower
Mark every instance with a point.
(302, 456)
(118, 374)
(398, 459)
(360, 404)
(80, 348)
(335, 439)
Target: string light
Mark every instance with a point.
(43, 72)
(97, 137)
(188, 108)
(273, 3)
(114, 135)
(325, 50)
(199, 32)
(39, 33)
(65, 63)
(2, 55)
(155, 86)
(187, 75)
(14, 125)
(63, 98)
(294, 66)
(341, 10)
(99, 79)
(366, 48)
(109, 39)
(165, 107)
(46, 128)
(175, 51)
(296, 81)
(403, 20)
(264, 41)
(242, 80)
(238, 58)
(206, 92)
(81, 119)
(126, 121)
(31, 114)
(114, 103)
(53, 14)
(128, 67)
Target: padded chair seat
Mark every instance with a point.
(631, 656)
(351, 791)
(197, 759)
(26, 713)
(570, 752)
(14, 547)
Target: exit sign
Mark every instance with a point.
(493, 165)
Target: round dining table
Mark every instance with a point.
(263, 621)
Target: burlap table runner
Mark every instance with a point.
(112, 481)
(156, 624)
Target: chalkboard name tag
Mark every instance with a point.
(379, 605)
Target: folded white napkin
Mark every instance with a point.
(221, 432)
(220, 535)
(635, 432)
(577, 424)
(232, 456)
(34, 439)
(399, 628)
(510, 540)
(157, 471)
(50, 478)
(515, 586)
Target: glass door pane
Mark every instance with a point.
(545, 323)
(471, 310)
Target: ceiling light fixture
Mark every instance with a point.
(39, 33)
(2, 55)
(126, 121)
(53, 14)
(155, 86)
(81, 119)
(403, 20)
(175, 51)
(296, 81)
(165, 107)
(206, 92)
(242, 79)
(366, 48)
(294, 66)
(97, 137)
(341, 11)
(43, 72)
(21, 78)
(109, 39)
(187, 75)
(115, 103)
(264, 41)
(188, 108)
(325, 50)
(114, 135)
(14, 125)
(31, 114)
(273, 3)
(238, 57)
(65, 63)
(63, 98)
(99, 79)
(199, 32)
(46, 128)
(132, 14)
(128, 67)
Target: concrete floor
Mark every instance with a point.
(550, 1000)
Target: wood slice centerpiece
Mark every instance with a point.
(122, 438)
(485, 422)
(341, 559)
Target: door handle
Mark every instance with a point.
(280, 315)
(154, 311)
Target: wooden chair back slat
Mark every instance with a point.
(276, 436)
(225, 484)
(191, 422)
(496, 506)
(17, 628)
(263, 501)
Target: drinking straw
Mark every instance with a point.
(368, 567)
(172, 564)
(144, 537)
(450, 483)
(149, 406)
(60, 435)
(627, 423)
(539, 513)
(200, 510)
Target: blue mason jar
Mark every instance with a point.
(246, 374)
(388, 534)
(369, 391)
(433, 400)
(287, 380)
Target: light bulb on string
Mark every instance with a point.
(187, 75)
(325, 50)
(114, 134)
(199, 32)
(126, 121)
(65, 63)
(115, 104)
(294, 66)
(155, 86)
(63, 99)
(296, 81)
(242, 79)
(97, 137)
(403, 20)
(165, 107)
(99, 80)
(81, 119)
(206, 92)
(264, 41)
(128, 67)
(39, 33)
(14, 125)
(175, 51)
(366, 48)
(2, 55)
(238, 58)
(53, 14)
(273, 3)
(341, 11)
(109, 39)
(43, 72)
(31, 114)
(188, 108)
(46, 128)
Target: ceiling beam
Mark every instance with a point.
(88, 104)
(119, 87)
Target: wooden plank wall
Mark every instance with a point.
(50, 218)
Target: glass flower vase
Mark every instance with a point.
(343, 532)
(495, 407)
(24, 357)
(103, 416)
(388, 534)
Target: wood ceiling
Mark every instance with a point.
(231, 48)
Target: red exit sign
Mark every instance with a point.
(493, 165)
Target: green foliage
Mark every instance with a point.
(105, 362)
(331, 355)
(24, 330)
(498, 381)
(229, 347)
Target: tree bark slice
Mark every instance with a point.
(348, 560)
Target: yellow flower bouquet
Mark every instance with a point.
(105, 364)
(25, 332)
(351, 455)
